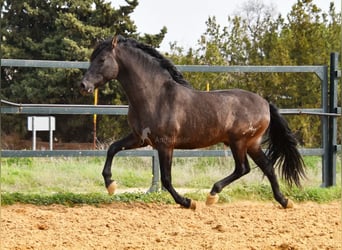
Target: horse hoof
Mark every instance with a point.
(289, 204)
(192, 205)
(111, 188)
(212, 199)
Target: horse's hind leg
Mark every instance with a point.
(265, 165)
(241, 168)
(129, 142)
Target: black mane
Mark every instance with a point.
(165, 63)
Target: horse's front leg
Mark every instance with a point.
(129, 142)
(165, 161)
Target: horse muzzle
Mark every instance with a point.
(86, 89)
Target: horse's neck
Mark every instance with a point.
(141, 81)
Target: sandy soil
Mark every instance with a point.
(239, 225)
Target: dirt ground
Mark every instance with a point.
(238, 225)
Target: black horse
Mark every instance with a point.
(167, 113)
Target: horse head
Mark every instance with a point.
(103, 66)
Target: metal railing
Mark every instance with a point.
(328, 115)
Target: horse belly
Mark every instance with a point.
(201, 135)
(190, 143)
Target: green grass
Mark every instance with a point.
(70, 199)
(72, 181)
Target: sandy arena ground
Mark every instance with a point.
(239, 225)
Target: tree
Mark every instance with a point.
(65, 30)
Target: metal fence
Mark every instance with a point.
(329, 111)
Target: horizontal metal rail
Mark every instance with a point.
(318, 70)
(17, 108)
(43, 64)
(133, 152)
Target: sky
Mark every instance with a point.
(185, 19)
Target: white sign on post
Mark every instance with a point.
(41, 123)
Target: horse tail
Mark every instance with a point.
(282, 149)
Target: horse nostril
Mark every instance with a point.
(83, 86)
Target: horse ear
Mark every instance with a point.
(115, 41)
